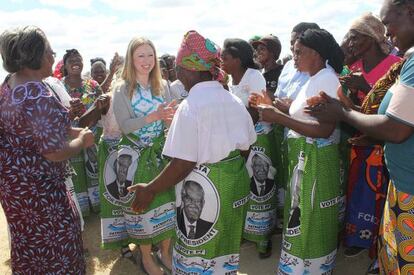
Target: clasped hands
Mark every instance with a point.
(164, 112)
(267, 108)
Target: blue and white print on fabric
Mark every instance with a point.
(143, 103)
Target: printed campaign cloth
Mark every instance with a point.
(281, 165)
(211, 207)
(91, 171)
(85, 180)
(310, 234)
(80, 184)
(261, 210)
(120, 167)
(344, 149)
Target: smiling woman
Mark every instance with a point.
(44, 225)
(311, 198)
(141, 111)
(84, 93)
(393, 124)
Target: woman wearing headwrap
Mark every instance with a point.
(289, 84)
(394, 124)
(368, 42)
(311, 206)
(246, 79)
(367, 175)
(209, 132)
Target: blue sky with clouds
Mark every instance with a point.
(102, 27)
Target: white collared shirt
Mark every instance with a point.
(188, 224)
(208, 125)
(259, 185)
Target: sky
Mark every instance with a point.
(99, 28)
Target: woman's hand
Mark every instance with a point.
(116, 62)
(87, 137)
(76, 108)
(315, 101)
(169, 112)
(102, 103)
(355, 81)
(362, 140)
(256, 99)
(164, 112)
(330, 111)
(283, 104)
(143, 197)
(268, 113)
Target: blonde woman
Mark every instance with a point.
(139, 106)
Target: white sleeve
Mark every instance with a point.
(328, 83)
(182, 138)
(257, 82)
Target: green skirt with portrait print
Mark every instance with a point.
(79, 183)
(261, 209)
(211, 207)
(91, 170)
(310, 234)
(85, 181)
(121, 166)
(281, 164)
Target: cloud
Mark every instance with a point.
(107, 26)
(68, 4)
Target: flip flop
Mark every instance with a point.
(127, 254)
(159, 258)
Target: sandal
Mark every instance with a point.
(145, 271)
(143, 267)
(159, 258)
(127, 254)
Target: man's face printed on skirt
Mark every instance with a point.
(192, 196)
(260, 168)
(91, 152)
(124, 161)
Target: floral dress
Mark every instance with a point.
(43, 221)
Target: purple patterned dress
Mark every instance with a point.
(44, 224)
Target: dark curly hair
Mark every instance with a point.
(69, 53)
(22, 48)
(98, 59)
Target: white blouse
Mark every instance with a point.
(325, 80)
(252, 82)
(208, 125)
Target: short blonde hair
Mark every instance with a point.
(128, 71)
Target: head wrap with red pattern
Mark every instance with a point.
(58, 72)
(200, 54)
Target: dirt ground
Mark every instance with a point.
(108, 262)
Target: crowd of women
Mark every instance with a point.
(188, 156)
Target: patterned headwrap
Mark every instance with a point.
(370, 25)
(200, 54)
